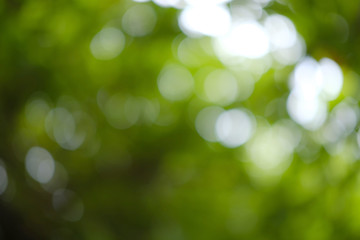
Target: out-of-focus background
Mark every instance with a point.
(179, 119)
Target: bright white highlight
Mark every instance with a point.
(305, 79)
(209, 20)
(263, 2)
(313, 84)
(175, 83)
(169, 3)
(287, 45)
(206, 2)
(307, 110)
(331, 77)
(221, 87)
(234, 127)
(205, 123)
(107, 44)
(290, 55)
(282, 32)
(139, 20)
(246, 39)
(40, 164)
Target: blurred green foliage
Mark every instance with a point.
(130, 163)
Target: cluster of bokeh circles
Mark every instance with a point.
(246, 41)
